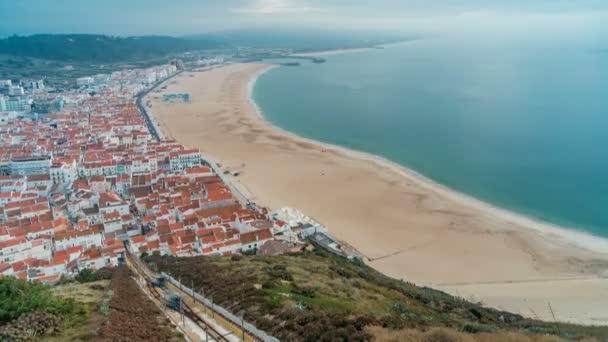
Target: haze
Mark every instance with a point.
(579, 19)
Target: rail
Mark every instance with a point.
(235, 323)
(185, 309)
(248, 328)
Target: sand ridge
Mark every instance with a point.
(407, 228)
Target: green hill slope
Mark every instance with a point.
(322, 297)
(98, 48)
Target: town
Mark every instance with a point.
(85, 177)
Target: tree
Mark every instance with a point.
(86, 276)
(19, 297)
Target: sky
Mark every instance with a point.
(181, 17)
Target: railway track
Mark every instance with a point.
(186, 310)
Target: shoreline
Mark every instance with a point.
(407, 225)
(581, 238)
(351, 50)
(331, 52)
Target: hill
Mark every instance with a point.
(90, 307)
(99, 48)
(95, 48)
(323, 297)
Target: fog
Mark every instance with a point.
(579, 20)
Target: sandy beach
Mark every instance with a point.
(407, 226)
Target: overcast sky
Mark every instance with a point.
(177, 17)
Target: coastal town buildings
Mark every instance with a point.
(87, 182)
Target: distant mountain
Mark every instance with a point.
(99, 48)
(105, 49)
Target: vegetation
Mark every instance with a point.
(20, 297)
(452, 335)
(30, 311)
(97, 48)
(87, 275)
(131, 316)
(30, 326)
(322, 297)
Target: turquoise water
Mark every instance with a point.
(522, 128)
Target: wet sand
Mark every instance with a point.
(408, 227)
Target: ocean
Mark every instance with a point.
(523, 128)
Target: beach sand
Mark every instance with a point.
(409, 227)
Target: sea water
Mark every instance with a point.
(522, 128)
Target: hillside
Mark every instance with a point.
(98, 48)
(106, 305)
(95, 48)
(322, 297)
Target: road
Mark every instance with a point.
(139, 98)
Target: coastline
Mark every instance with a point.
(453, 242)
(580, 238)
(330, 52)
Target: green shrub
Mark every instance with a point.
(20, 297)
(475, 328)
(86, 276)
(279, 272)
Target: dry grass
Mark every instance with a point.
(320, 296)
(87, 293)
(380, 334)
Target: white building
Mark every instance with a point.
(15, 91)
(86, 239)
(151, 77)
(19, 104)
(184, 159)
(64, 174)
(85, 81)
(25, 166)
(111, 202)
(101, 78)
(95, 260)
(34, 84)
(20, 248)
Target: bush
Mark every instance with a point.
(86, 276)
(306, 291)
(28, 327)
(475, 328)
(65, 280)
(278, 272)
(250, 252)
(20, 297)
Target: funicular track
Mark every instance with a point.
(159, 294)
